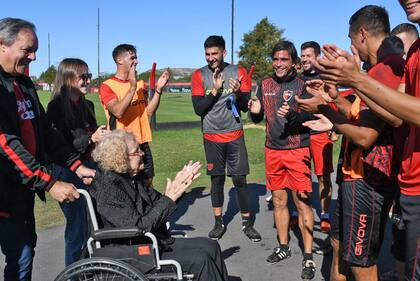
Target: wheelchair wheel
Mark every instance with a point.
(100, 269)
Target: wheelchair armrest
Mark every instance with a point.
(115, 233)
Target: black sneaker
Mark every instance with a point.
(279, 254)
(251, 233)
(217, 231)
(308, 270)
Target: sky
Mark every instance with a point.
(171, 33)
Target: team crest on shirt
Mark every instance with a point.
(210, 166)
(287, 95)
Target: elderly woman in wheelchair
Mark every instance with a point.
(123, 201)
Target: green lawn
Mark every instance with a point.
(172, 108)
(171, 150)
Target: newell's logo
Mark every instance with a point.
(210, 166)
(361, 233)
(287, 95)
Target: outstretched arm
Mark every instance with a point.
(341, 68)
(154, 102)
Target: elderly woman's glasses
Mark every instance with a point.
(85, 76)
(136, 153)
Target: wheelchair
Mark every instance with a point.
(109, 259)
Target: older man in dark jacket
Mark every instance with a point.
(26, 138)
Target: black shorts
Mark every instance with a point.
(336, 230)
(411, 217)
(233, 153)
(398, 231)
(149, 170)
(359, 221)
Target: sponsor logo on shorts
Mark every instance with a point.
(210, 166)
(361, 233)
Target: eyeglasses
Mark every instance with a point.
(85, 76)
(137, 153)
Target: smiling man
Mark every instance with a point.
(127, 105)
(219, 92)
(321, 146)
(287, 156)
(340, 67)
(26, 138)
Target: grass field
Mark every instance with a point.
(171, 150)
(172, 108)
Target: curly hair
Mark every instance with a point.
(111, 153)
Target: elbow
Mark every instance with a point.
(150, 113)
(199, 113)
(365, 143)
(396, 123)
(118, 114)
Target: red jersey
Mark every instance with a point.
(409, 176)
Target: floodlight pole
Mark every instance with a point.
(99, 69)
(49, 52)
(232, 29)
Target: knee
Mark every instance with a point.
(279, 202)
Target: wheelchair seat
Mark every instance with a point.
(116, 254)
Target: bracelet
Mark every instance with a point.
(157, 92)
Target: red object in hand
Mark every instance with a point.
(152, 81)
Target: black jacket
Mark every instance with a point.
(283, 133)
(21, 173)
(122, 201)
(79, 134)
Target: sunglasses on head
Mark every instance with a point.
(86, 76)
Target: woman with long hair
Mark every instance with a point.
(74, 116)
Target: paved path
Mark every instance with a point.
(245, 260)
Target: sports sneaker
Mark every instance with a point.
(217, 231)
(269, 198)
(308, 270)
(279, 254)
(325, 225)
(251, 233)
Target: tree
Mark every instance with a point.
(48, 76)
(257, 46)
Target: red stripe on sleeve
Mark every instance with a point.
(19, 163)
(106, 94)
(197, 88)
(75, 165)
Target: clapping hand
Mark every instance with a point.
(183, 179)
(163, 80)
(235, 84)
(321, 92)
(322, 124)
(217, 79)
